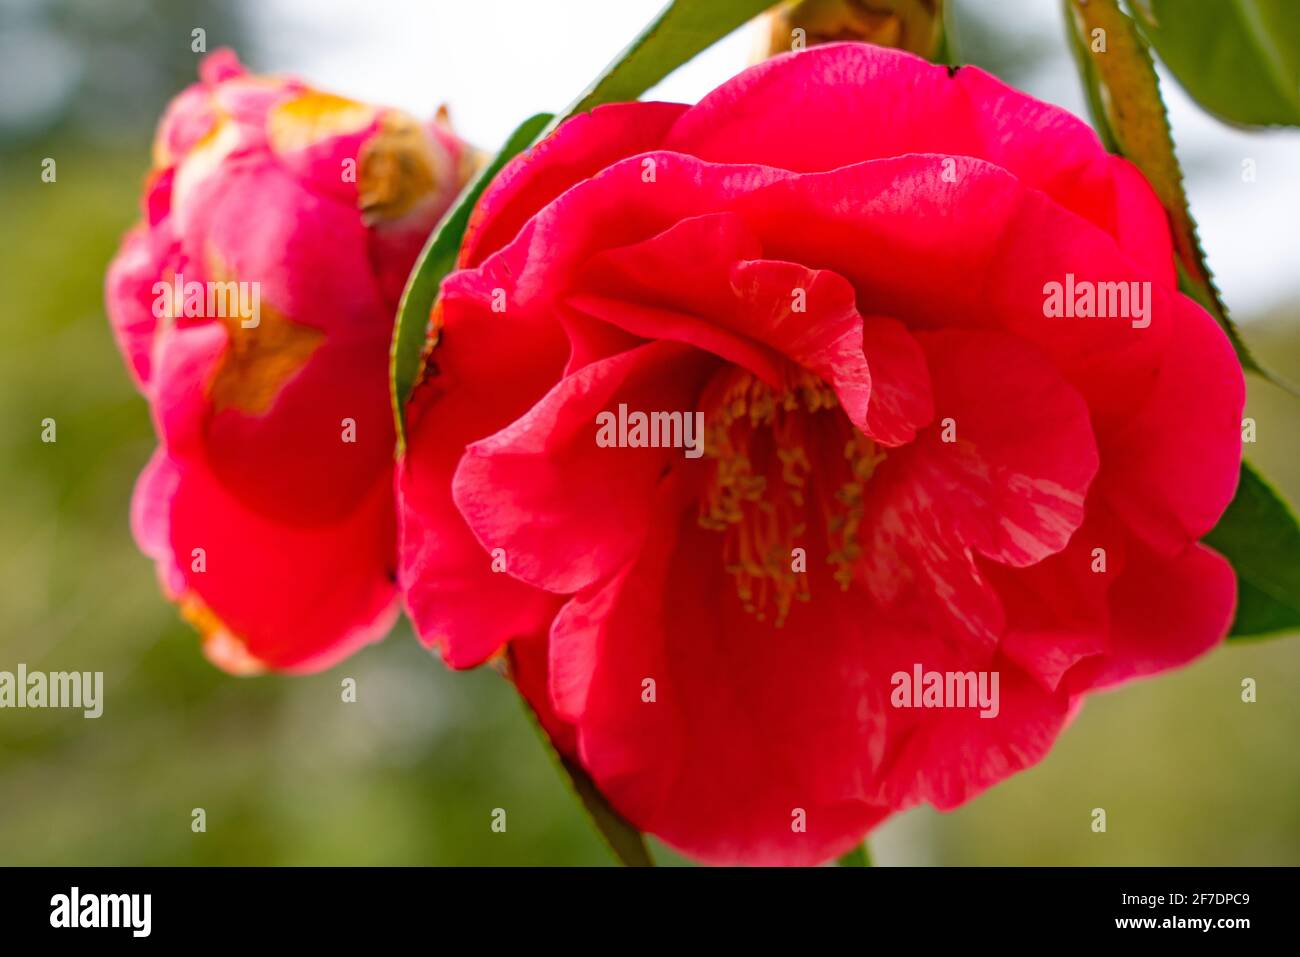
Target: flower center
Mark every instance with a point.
(779, 461)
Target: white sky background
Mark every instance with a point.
(495, 62)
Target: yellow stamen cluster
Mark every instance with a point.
(763, 447)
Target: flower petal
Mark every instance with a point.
(790, 111)
(296, 599)
(581, 147)
(487, 369)
(567, 509)
(750, 743)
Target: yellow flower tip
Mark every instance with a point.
(259, 360)
(221, 646)
(399, 169)
(313, 117)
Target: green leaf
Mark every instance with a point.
(1124, 98)
(1239, 59)
(683, 29)
(623, 839)
(860, 856)
(438, 258)
(1259, 536)
(1257, 533)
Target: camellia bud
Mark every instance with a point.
(912, 25)
(254, 307)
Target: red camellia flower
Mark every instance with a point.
(254, 306)
(825, 443)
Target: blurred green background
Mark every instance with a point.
(409, 774)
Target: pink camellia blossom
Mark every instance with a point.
(254, 307)
(960, 437)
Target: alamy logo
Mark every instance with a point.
(55, 689)
(651, 430)
(103, 910)
(1084, 299)
(208, 300)
(946, 689)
